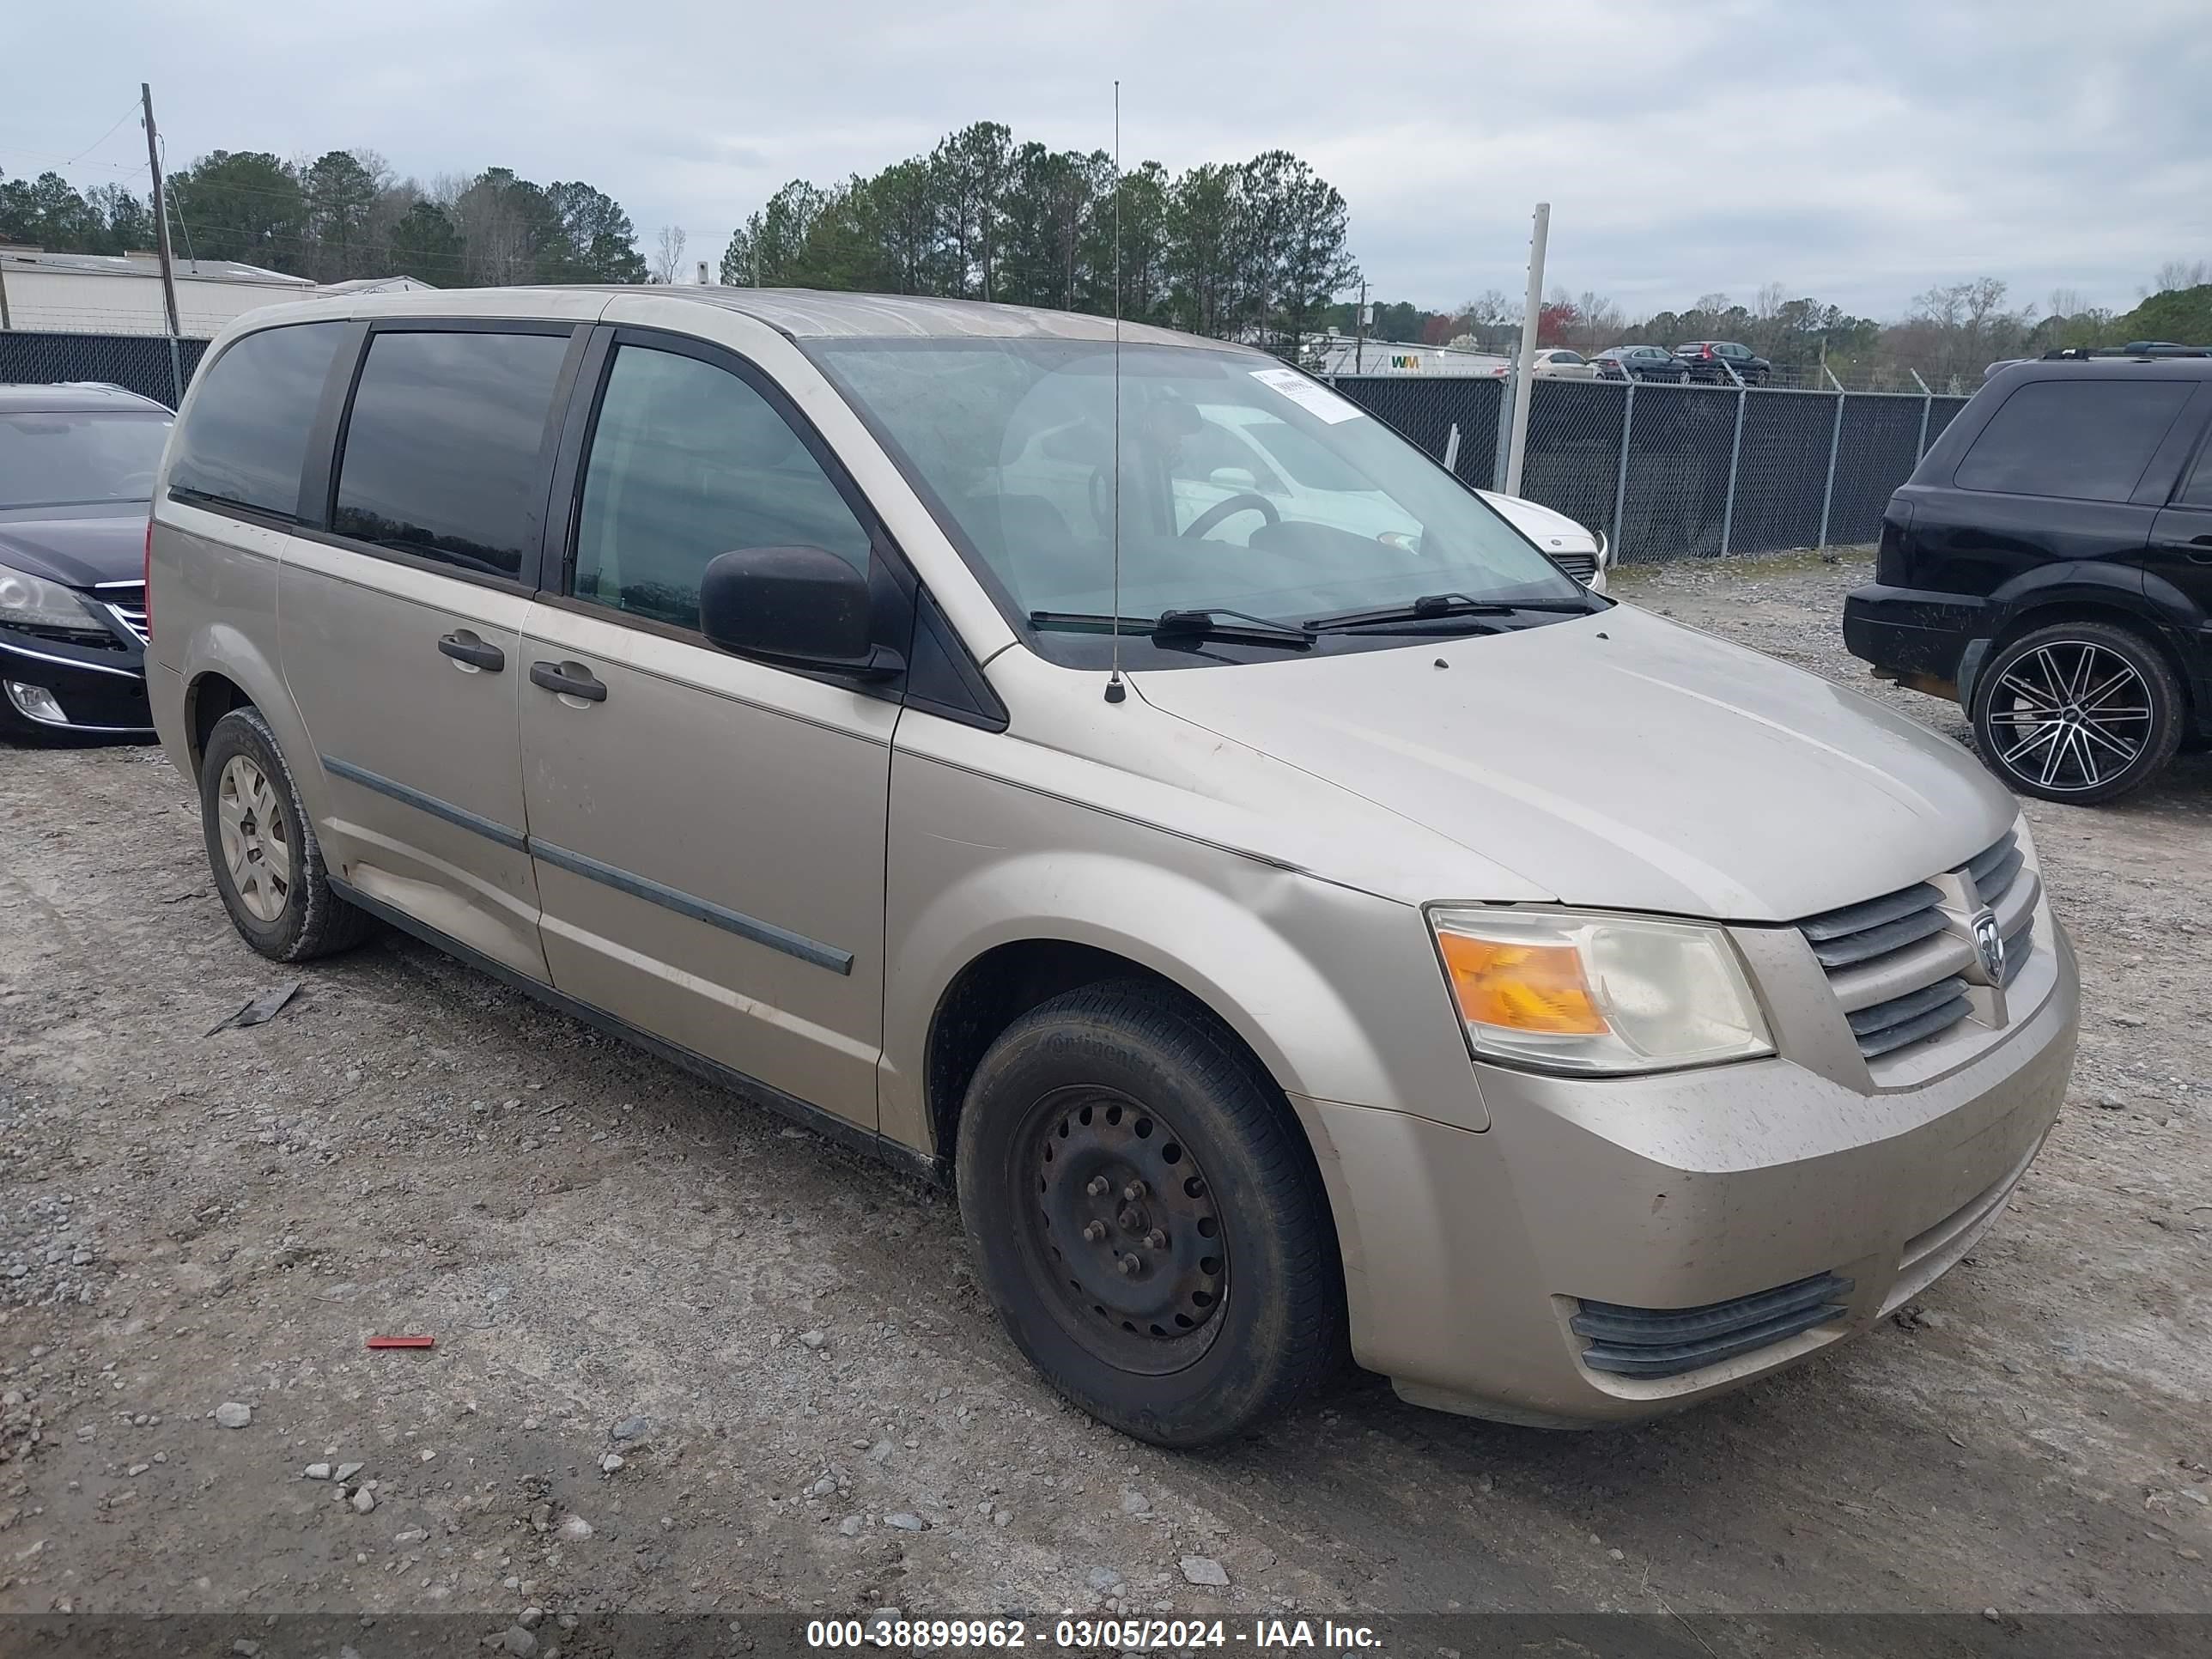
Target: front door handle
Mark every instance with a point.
(469, 650)
(570, 680)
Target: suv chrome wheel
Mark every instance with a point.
(2081, 712)
(2071, 715)
(256, 846)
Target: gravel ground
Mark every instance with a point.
(691, 1359)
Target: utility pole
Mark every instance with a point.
(1359, 342)
(1524, 389)
(161, 243)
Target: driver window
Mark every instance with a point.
(688, 461)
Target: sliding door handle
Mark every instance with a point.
(569, 679)
(466, 648)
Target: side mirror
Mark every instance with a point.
(797, 607)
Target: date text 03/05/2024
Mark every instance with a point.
(1128, 1635)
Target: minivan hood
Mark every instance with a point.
(1621, 761)
(75, 546)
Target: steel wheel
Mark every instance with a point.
(1122, 1235)
(256, 843)
(2069, 716)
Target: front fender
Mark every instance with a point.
(1337, 992)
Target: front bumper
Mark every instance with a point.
(1910, 632)
(100, 692)
(1470, 1254)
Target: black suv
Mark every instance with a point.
(1710, 361)
(2049, 566)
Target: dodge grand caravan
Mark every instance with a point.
(1290, 939)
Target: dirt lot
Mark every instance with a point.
(813, 1409)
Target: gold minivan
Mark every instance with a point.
(1111, 773)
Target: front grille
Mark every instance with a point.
(126, 603)
(1667, 1341)
(1582, 566)
(1898, 962)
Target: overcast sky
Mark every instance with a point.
(1857, 152)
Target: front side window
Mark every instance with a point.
(442, 451)
(688, 461)
(245, 438)
(1243, 486)
(77, 457)
(2078, 440)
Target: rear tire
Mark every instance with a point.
(261, 846)
(2078, 712)
(1113, 1126)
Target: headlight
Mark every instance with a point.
(1568, 991)
(1604, 551)
(29, 601)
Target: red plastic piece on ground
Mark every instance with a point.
(402, 1342)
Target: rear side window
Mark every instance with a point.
(2082, 441)
(2198, 491)
(444, 448)
(689, 461)
(246, 440)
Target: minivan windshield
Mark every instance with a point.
(1249, 494)
(68, 457)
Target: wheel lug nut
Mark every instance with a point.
(1129, 1264)
(1094, 1232)
(1097, 1186)
(1134, 1191)
(1156, 1240)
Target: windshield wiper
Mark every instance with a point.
(1435, 607)
(1174, 627)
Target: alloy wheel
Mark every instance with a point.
(257, 846)
(2069, 716)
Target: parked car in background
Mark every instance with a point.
(77, 463)
(1237, 460)
(2049, 566)
(1583, 553)
(1642, 362)
(1711, 361)
(1289, 940)
(1559, 363)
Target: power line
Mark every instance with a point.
(130, 110)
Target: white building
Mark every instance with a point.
(102, 294)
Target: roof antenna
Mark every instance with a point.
(1115, 691)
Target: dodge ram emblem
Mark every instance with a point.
(1989, 947)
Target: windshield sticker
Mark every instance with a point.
(1309, 395)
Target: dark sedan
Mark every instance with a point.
(1709, 360)
(1641, 362)
(77, 476)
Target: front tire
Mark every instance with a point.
(2079, 712)
(1148, 1219)
(261, 846)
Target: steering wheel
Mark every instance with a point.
(1245, 501)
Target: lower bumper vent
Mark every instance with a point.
(1667, 1341)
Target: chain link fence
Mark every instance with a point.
(152, 365)
(1677, 471)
